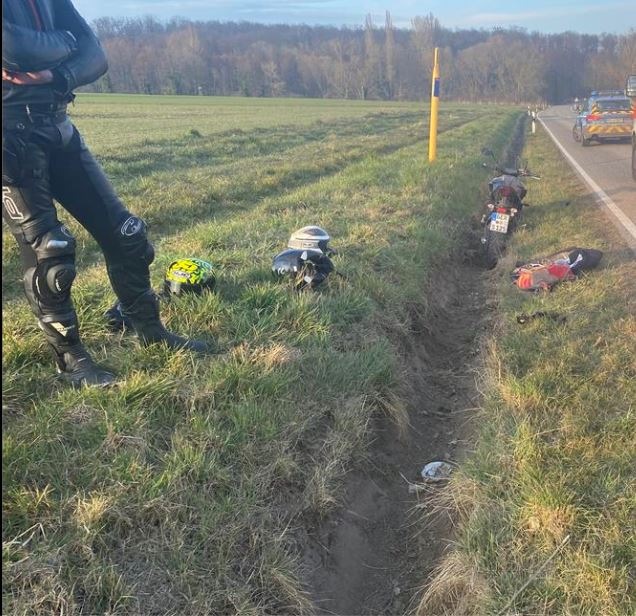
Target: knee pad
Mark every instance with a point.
(48, 284)
(134, 240)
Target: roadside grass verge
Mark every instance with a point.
(545, 506)
(179, 490)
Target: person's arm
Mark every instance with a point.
(89, 62)
(25, 50)
(37, 78)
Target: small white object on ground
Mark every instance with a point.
(437, 471)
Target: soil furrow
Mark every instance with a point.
(372, 557)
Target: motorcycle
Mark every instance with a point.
(503, 216)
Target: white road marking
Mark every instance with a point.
(599, 193)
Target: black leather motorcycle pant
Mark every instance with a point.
(45, 158)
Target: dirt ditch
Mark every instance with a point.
(374, 556)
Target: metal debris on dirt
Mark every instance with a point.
(437, 471)
(433, 472)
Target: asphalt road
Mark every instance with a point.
(607, 164)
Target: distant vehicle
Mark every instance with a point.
(606, 116)
(630, 86)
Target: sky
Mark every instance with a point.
(548, 16)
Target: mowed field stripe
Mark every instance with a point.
(251, 189)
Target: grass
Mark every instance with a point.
(545, 507)
(180, 490)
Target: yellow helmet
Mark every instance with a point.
(189, 276)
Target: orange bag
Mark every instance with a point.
(541, 276)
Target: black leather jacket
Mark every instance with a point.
(47, 34)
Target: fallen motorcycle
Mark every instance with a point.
(503, 215)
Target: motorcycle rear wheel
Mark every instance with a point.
(494, 247)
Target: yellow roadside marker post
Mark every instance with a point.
(432, 139)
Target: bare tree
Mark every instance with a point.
(185, 57)
(389, 54)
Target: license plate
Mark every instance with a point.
(500, 223)
(614, 121)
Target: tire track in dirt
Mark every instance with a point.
(372, 558)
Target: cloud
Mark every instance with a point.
(327, 12)
(185, 5)
(582, 15)
(542, 14)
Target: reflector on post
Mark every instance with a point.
(435, 88)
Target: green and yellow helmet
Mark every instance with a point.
(189, 276)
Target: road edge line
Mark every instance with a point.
(599, 193)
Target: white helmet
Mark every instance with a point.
(310, 237)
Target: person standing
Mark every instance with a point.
(49, 50)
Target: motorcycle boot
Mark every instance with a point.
(143, 314)
(49, 274)
(74, 363)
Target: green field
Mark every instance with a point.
(180, 490)
(180, 487)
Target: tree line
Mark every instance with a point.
(373, 61)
